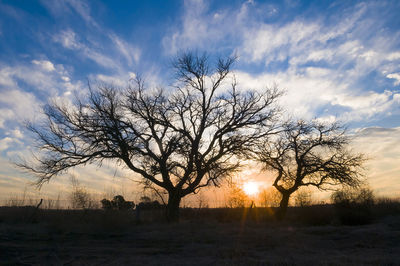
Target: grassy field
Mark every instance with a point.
(313, 235)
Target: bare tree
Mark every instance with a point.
(177, 140)
(309, 154)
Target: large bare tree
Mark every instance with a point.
(309, 154)
(178, 140)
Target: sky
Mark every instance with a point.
(335, 60)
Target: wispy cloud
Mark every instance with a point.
(323, 64)
(131, 54)
(44, 64)
(61, 8)
(68, 39)
(395, 76)
(382, 146)
(26, 86)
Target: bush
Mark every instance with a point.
(303, 198)
(80, 199)
(354, 207)
(117, 203)
(149, 205)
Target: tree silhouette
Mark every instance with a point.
(309, 154)
(178, 140)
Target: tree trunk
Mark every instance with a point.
(281, 213)
(174, 200)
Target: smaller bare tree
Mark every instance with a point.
(309, 154)
(269, 197)
(79, 197)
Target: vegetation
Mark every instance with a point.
(80, 197)
(239, 236)
(225, 236)
(178, 141)
(309, 154)
(354, 206)
(117, 203)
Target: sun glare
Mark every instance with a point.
(250, 188)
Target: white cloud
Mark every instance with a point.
(66, 79)
(44, 64)
(382, 146)
(16, 133)
(201, 29)
(319, 88)
(83, 9)
(396, 77)
(20, 86)
(68, 39)
(6, 79)
(66, 7)
(21, 105)
(5, 143)
(42, 77)
(111, 80)
(5, 114)
(393, 56)
(368, 104)
(131, 54)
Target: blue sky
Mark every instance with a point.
(335, 60)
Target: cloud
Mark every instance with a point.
(65, 7)
(368, 104)
(307, 93)
(16, 133)
(5, 114)
(393, 56)
(28, 85)
(20, 105)
(44, 64)
(111, 80)
(382, 146)
(83, 9)
(325, 64)
(5, 143)
(131, 54)
(396, 77)
(201, 28)
(67, 39)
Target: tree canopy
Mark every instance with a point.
(178, 140)
(310, 154)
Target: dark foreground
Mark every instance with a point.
(97, 238)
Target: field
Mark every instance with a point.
(311, 235)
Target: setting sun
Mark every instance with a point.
(250, 188)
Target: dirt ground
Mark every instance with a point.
(205, 243)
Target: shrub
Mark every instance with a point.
(80, 199)
(117, 203)
(149, 205)
(270, 197)
(303, 198)
(354, 207)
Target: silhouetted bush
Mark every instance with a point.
(313, 215)
(151, 205)
(117, 203)
(354, 207)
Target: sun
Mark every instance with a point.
(250, 188)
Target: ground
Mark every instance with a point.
(50, 242)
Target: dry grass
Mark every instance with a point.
(309, 236)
